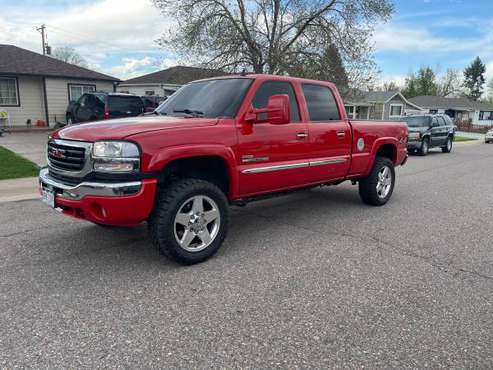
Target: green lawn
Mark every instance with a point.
(13, 166)
(462, 138)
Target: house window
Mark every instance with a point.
(433, 111)
(76, 91)
(150, 92)
(395, 110)
(350, 111)
(9, 91)
(485, 116)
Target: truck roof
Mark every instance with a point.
(257, 76)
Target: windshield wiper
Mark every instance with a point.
(192, 112)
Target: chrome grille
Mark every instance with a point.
(67, 156)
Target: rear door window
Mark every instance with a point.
(321, 103)
(441, 121)
(125, 105)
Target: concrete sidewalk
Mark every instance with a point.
(30, 145)
(19, 189)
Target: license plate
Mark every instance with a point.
(48, 197)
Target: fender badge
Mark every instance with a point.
(361, 144)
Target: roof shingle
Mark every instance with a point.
(15, 60)
(440, 102)
(178, 75)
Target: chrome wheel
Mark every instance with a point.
(449, 145)
(384, 183)
(424, 147)
(197, 223)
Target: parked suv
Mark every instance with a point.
(430, 131)
(97, 106)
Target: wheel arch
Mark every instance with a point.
(197, 162)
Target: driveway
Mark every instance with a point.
(31, 145)
(315, 279)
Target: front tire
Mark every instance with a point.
(190, 221)
(378, 187)
(425, 147)
(448, 146)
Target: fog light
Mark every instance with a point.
(114, 166)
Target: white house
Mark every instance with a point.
(460, 109)
(35, 88)
(166, 82)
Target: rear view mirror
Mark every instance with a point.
(276, 113)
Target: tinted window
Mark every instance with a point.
(213, 98)
(417, 121)
(448, 120)
(434, 122)
(270, 88)
(441, 121)
(125, 104)
(321, 103)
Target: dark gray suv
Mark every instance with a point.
(430, 131)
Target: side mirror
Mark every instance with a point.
(276, 113)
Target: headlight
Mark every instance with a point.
(414, 135)
(115, 156)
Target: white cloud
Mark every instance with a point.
(103, 32)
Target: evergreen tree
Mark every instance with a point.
(474, 79)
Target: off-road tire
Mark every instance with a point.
(446, 148)
(368, 186)
(161, 223)
(425, 147)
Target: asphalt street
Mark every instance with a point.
(312, 280)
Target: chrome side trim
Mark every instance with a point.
(88, 188)
(282, 167)
(252, 158)
(324, 162)
(276, 168)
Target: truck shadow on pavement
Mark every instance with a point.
(247, 224)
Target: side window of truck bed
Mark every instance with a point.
(321, 103)
(270, 88)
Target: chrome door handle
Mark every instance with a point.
(341, 134)
(301, 135)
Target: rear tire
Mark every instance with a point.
(190, 221)
(425, 147)
(448, 146)
(377, 188)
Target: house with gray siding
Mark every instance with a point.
(34, 87)
(379, 105)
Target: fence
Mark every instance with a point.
(467, 126)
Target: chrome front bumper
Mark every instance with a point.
(87, 188)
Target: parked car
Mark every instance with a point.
(152, 102)
(430, 131)
(213, 143)
(488, 138)
(96, 106)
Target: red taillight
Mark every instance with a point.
(106, 113)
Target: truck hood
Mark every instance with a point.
(123, 128)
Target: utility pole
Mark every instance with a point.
(42, 30)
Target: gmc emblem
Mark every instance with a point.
(58, 153)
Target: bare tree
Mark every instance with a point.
(390, 86)
(450, 83)
(69, 55)
(275, 36)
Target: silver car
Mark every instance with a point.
(488, 138)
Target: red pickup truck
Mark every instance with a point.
(213, 143)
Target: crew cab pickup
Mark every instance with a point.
(213, 143)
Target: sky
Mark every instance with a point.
(118, 37)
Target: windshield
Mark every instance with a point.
(423, 121)
(212, 99)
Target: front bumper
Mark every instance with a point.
(413, 145)
(113, 203)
